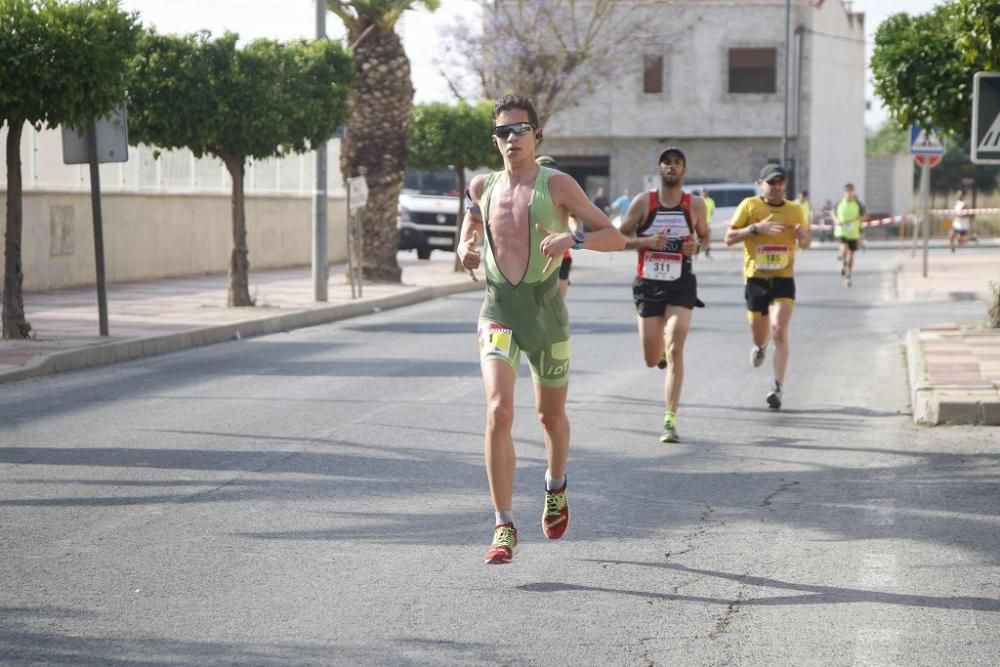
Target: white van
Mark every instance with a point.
(727, 197)
(428, 211)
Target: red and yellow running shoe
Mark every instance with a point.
(504, 545)
(555, 516)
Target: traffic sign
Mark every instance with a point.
(985, 144)
(929, 160)
(926, 141)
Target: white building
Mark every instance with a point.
(716, 88)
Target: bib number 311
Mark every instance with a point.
(662, 265)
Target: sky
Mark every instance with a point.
(291, 19)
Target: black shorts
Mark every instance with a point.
(850, 243)
(760, 293)
(564, 268)
(652, 297)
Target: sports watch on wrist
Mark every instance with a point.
(578, 237)
(752, 229)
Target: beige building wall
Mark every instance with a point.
(158, 236)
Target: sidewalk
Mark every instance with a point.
(954, 368)
(157, 317)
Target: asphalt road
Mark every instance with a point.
(319, 497)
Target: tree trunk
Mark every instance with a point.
(377, 140)
(14, 323)
(461, 213)
(239, 260)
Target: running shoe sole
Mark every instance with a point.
(774, 400)
(757, 355)
(669, 437)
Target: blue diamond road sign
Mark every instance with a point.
(925, 141)
(985, 144)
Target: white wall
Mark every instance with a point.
(835, 62)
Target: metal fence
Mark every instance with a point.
(153, 170)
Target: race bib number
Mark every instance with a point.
(495, 339)
(662, 265)
(772, 257)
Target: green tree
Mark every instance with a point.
(559, 53)
(261, 101)
(62, 63)
(887, 140)
(922, 66)
(379, 127)
(453, 136)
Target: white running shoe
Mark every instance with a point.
(757, 355)
(774, 398)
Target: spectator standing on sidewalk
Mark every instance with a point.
(619, 207)
(601, 200)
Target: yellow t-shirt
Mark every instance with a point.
(768, 255)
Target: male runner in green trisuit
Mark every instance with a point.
(521, 214)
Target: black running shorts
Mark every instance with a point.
(760, 293)
(652, 297)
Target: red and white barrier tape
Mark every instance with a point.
(870, 223)
(967, 211)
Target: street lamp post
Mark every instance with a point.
(320, 261)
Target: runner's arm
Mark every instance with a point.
(803, 233)
(472, 226)
(567, 194)
(630, 223)
(699, 211)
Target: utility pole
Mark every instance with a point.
(320, 261)
(788, 61)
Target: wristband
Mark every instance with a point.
(578, 237)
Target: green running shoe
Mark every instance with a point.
(669, 431)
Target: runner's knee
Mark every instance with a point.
(551, 419)
(499, 415)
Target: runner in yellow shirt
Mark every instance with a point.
(770, 229)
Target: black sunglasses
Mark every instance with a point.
(502, 132)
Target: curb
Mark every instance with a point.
(933, 406)
(141, 348)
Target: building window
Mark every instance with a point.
(652, 73)
(752, 70)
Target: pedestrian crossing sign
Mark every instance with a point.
(985, 144)
(925, 141)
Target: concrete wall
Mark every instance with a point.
(889, 184)
(834, 66)
(156, 236)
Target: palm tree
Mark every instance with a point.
(378, 132)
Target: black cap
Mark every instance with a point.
(547, 161)
(771, 171)
(672, 149)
